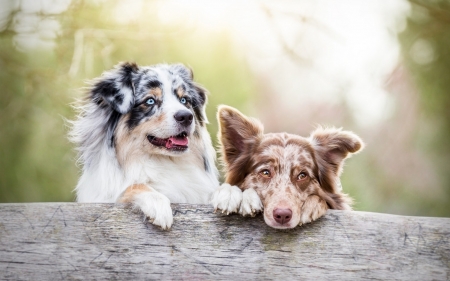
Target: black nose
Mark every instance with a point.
(184, 117)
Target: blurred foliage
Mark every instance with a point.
(429, 25)
(426, 52)
(35, 162)
(372, 182)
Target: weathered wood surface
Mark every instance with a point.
(52, 241)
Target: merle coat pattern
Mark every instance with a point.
(291, 179)
(142, 140)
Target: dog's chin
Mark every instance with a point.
(173, 145)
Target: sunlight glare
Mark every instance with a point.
(320, 50)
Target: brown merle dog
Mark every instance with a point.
(293, 179)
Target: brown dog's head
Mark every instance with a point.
(285, 170)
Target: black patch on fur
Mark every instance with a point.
(154, 84)
(138, 113)
(119, 98)
(198, 101)
(127, 70)
(111, 125)
(206, 164)
(105, 89)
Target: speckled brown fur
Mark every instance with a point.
(304, 172)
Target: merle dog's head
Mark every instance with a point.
(152, 109)
(285, 170)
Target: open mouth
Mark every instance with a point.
(178, 142)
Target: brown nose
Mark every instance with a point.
(282, 216)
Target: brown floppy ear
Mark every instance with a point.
(331, 147)
(238, 137)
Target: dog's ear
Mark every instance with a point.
(238, 136)
(331, 147)
(115, 88)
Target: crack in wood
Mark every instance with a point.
(64, 217)
(103, 265)
(203, 264)
(175, 212)
(23, 215)
(246, 245)
(48, 223)
(95, 258)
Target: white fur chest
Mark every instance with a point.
(179, 178)
(182, 179)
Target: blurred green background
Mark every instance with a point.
(292, 64)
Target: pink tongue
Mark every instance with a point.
(172, 141)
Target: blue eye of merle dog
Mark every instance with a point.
(183, 100)
(150, 101)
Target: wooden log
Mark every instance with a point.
(52, 241)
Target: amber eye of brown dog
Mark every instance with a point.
(265, 174)
(302, 176)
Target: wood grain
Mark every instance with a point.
(53, 241)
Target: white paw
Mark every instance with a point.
(156, 207)
(227, 198)
(251, 203)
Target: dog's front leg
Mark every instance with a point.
(227, 198)
(313, 208)
(153, 204)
